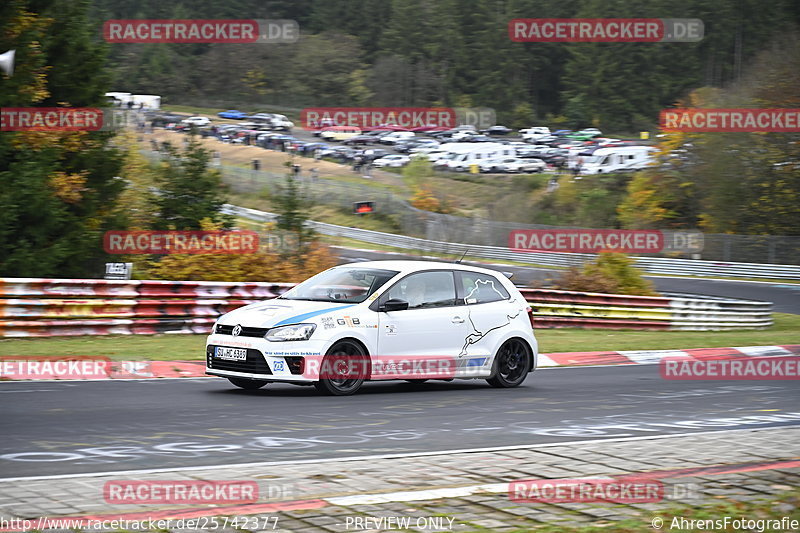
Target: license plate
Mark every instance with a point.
(232, 354)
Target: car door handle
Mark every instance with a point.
(457, 320)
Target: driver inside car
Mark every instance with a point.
(415, 292)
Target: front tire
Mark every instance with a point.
(343, 369)
(248, 384)
(511, 364)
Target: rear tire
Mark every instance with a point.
(345, 366)
(248, 384)
(511, 364)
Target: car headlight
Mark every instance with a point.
(295, 332)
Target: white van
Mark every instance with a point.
(477, 155)
(149, 101)
(618, 159)
(280, 122)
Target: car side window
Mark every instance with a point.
(481, 288)
(426, 290)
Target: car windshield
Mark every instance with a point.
(342, 284)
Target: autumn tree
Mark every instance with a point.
(59, 188)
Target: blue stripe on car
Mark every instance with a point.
(299, 318)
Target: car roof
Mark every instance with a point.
(407, 266)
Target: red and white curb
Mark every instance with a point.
(654, 357)
(194, 369)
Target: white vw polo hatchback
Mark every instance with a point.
(379, 320)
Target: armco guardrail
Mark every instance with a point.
(53, 307)
(32, 307)
(552, 308)
(651, 265)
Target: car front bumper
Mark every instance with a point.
(290, 361)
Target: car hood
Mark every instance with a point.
(279, 312)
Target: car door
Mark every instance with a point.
(433, 325)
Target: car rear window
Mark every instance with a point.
(479, 288)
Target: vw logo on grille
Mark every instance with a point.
(237, 330)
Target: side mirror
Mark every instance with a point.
(394, 305)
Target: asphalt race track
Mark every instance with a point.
(784, 296)
(105, 426)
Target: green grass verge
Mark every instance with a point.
(177, 347)
(115, 347)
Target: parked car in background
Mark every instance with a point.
(462, 134)
(160, 120)
(396, 136)
(591, 131)
(260, 117)
(196, 121)
(477, 139)
(494, 165)
(523, 166)
(512, 165)
(426, 149)
(552, 156)
(404, 147)
(339, 133)
(360, 139)
(497, 130)
(392, 161)
(416, 145)
(534, 133)
(234, 114)
(526, 151)
(432, 155)
(341, 153)
(548, 140)
(371, 154)
(584, 135)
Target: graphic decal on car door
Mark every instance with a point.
(484, 323)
